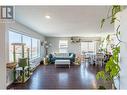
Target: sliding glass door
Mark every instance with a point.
(88, 47)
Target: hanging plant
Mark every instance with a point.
(112, 67)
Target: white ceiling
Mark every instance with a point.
(65, 20)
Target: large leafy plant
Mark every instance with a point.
(112, 67)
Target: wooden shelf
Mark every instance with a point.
(11, 65)
(26, 79)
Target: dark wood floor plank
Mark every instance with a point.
(49, 77)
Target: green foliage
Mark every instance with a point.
(112, 67)
(101, 75)
(108, 38)
(102, 22)
(115, 10)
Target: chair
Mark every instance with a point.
(99, 60)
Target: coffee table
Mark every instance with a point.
(62, 62)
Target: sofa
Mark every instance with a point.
(61, 56)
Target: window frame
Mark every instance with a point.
(64, 47)
(38, 44)
(88, 46)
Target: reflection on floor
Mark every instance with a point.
(49, 77)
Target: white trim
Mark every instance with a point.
(16, 31)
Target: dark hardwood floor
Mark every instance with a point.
(49, 77)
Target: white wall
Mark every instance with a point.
(2, 57)
(123, 51)
(72, 47)
(17, 27)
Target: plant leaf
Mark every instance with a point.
(101, 75)
(102, 22)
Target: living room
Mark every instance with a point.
(62, 43)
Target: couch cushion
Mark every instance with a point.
(62, 55)
(71, 55)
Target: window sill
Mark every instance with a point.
(34, 58)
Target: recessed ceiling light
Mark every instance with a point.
(48, 17)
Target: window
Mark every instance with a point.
(32, 43)
(27, 41)
(14, 38)
(63, 46)
(91, 46)
(34, 48)
(88, 47)
(84, 47)
(38, 48)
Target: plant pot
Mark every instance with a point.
(45, 61)
(101, 87)
(77, 63)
